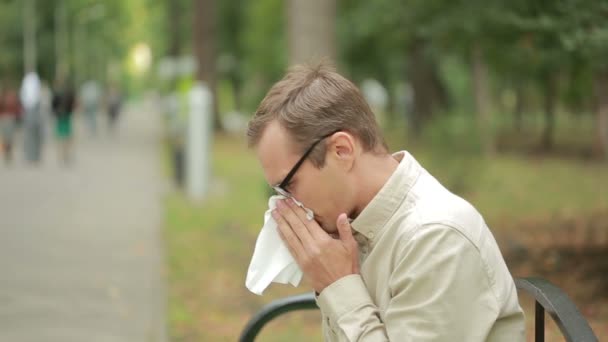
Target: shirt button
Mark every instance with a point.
(370, 235)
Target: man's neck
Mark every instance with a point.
(374, 172)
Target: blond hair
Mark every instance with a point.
(312, 101)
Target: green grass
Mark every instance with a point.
(210, 243)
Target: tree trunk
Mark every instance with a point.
(174, 38)
(204, 31)
(174, 15)
(601, 95)
(237, 86)
(61, 41)
(482, 104)
(519, 107)
(429, 94)
(311, 30)
(29, 36)
(549, 109)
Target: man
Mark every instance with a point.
(417, 263)
(33, 126)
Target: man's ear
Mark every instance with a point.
(343, 148)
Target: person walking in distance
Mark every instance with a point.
(63, 108)
(10, 111)
(32, 118)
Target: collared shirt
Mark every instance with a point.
(430, 270)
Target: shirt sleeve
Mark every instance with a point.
(440, 289)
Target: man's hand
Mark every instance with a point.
(322, 258)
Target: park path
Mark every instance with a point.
(81, 254)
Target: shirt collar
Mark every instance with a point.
(381, 208)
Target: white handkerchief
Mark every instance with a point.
(271, 261)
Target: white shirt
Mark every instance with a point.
(30, 91)
(431, 270)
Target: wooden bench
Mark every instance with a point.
(548, 298)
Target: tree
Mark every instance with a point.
(601, 93)
(395, 47)
(585, 35)
(204, 34)
(264, 44)
(430, 94)
(231, 48)
(174, 16)
(311, 30)
(481, 94)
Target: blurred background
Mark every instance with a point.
(125, 169)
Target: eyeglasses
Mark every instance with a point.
(280, 189)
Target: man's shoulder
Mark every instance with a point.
(431, 205)
(428, 203)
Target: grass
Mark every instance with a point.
(210, 243)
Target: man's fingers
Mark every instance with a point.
(313, 227)
(296, 224)
(289, 237)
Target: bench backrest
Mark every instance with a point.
(548, 298)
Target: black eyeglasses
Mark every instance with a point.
(280, 189)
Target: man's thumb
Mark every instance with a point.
(344, 230)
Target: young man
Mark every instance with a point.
(391, 253)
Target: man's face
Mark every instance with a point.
(325, 191)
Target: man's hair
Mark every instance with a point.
(312, 101)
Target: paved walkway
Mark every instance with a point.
(80, 247)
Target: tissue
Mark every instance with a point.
(272, 261)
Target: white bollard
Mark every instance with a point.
(198, 160)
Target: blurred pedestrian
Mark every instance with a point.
(32, 119)
(89, 99)
(46, 104)
(114, 106)
(63, 109)
(10, 111)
